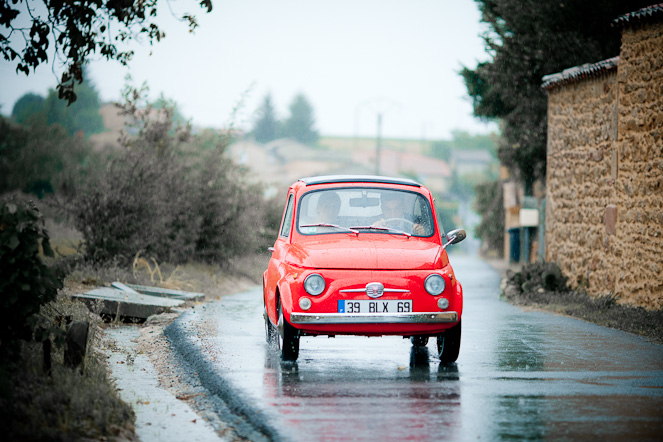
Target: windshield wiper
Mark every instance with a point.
(348, 229)
(385, 229)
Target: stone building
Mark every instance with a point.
(604, 189)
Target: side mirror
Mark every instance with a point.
(454, 237)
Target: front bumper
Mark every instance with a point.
(369, 318)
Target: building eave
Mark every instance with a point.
(579, 73)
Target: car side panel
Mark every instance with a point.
(274, 276)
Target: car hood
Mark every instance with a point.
(361, 254)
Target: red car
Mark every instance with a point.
(362, 255)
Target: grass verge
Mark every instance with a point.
(66, 403)
(82, 403)
(541, 285)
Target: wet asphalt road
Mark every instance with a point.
(521, 375)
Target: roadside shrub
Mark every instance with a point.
(26, 282)
(125, 209)
(169, 195)
(535, 277)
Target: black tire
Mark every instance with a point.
(271, 334)
(287, 337)
(448, 344)
(419, 340)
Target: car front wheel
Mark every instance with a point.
(271, 334)
(288, 338)
(448, 344)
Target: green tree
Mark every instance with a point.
(301, 123)
(80, 117)
(528, 39)
(27, 107)
(78, 30)
(267, 125)
(39, 159)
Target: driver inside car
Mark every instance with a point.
(327, 209)
(395, 216)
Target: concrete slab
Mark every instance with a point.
(127, 304)
(159, 291)
(123, 287)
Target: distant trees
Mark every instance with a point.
(300, 125)
(462, 140)
(80, 117)
(77, 30)
(527, 40)
(26, 107)
(267, 126)
(39, 159)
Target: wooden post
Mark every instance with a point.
(76, 343)
(47, 356)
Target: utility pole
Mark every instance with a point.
(377, 144)
(380, 106)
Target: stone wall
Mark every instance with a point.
(604, 214)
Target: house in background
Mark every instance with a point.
(477, 161)
(283, 161)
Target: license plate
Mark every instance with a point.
(369, 306)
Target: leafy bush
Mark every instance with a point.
(169, 195)
(546, 276)
(25, 282)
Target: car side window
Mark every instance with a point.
(287, 219)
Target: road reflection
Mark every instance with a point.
(350, 401)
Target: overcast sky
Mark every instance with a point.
(351, 58)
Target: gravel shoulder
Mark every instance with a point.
(167, 404)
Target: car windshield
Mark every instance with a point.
(365, 210)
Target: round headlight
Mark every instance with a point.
(434, 284)
(314, 284)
